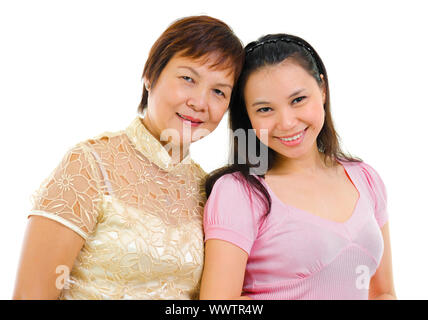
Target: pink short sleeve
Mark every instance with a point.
(229, 213)
(378, 191)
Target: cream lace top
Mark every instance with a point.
(141, 217)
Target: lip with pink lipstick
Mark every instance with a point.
(294, 139)
(194, 122)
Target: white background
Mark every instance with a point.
(70, 70)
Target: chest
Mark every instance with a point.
(133, 244)
(306, 245)
(149, 227)
(332, 197)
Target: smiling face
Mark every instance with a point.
(189, 97)
(287, 101)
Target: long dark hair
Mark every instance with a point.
(271, 50)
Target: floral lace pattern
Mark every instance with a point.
(141, 217)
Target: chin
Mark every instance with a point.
(291, 154)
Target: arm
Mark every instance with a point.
(381, 284)
(47, 245)
(224, 271)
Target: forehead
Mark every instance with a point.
(286, 70)
(213, 63)
(282, 77)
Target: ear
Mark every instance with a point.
(323, 89)
(146, 84)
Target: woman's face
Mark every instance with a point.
(189, 98)
(287, 101)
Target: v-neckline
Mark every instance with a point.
(312, 216)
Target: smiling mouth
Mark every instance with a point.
(189, 118)
(294, 137)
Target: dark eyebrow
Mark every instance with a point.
(259, 103)
(296, 92)
(197, 74)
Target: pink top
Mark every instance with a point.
(293, 254)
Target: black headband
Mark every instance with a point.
(288, 40)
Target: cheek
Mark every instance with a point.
(320, 116)
(260, 126)
(175, 96)
(167, 97)
(216, 112)
(314, 115)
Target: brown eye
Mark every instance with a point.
(264, 109)
(297, 100)
(219, 92)
(187, 79)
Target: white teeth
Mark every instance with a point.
(292, 138)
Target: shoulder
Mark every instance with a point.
(371, 178)
(363, 169)
(367, 172)
(103, 144)
(106, 139)
(232, 181)
(197, 170)
(95, 150)
(376, 188)
(234, 190)
(226, 195)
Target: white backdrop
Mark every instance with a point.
(70, 70)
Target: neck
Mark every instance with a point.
(177, 151)
(308, 164)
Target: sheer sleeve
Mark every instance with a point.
(230, 215)
(378, 191)
(71, 195)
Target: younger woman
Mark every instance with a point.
(314, 226)
(121, 216)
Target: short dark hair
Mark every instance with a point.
(195, 37)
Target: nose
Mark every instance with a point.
(287, 119)
(198, 100)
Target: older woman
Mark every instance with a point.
(121, 216)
